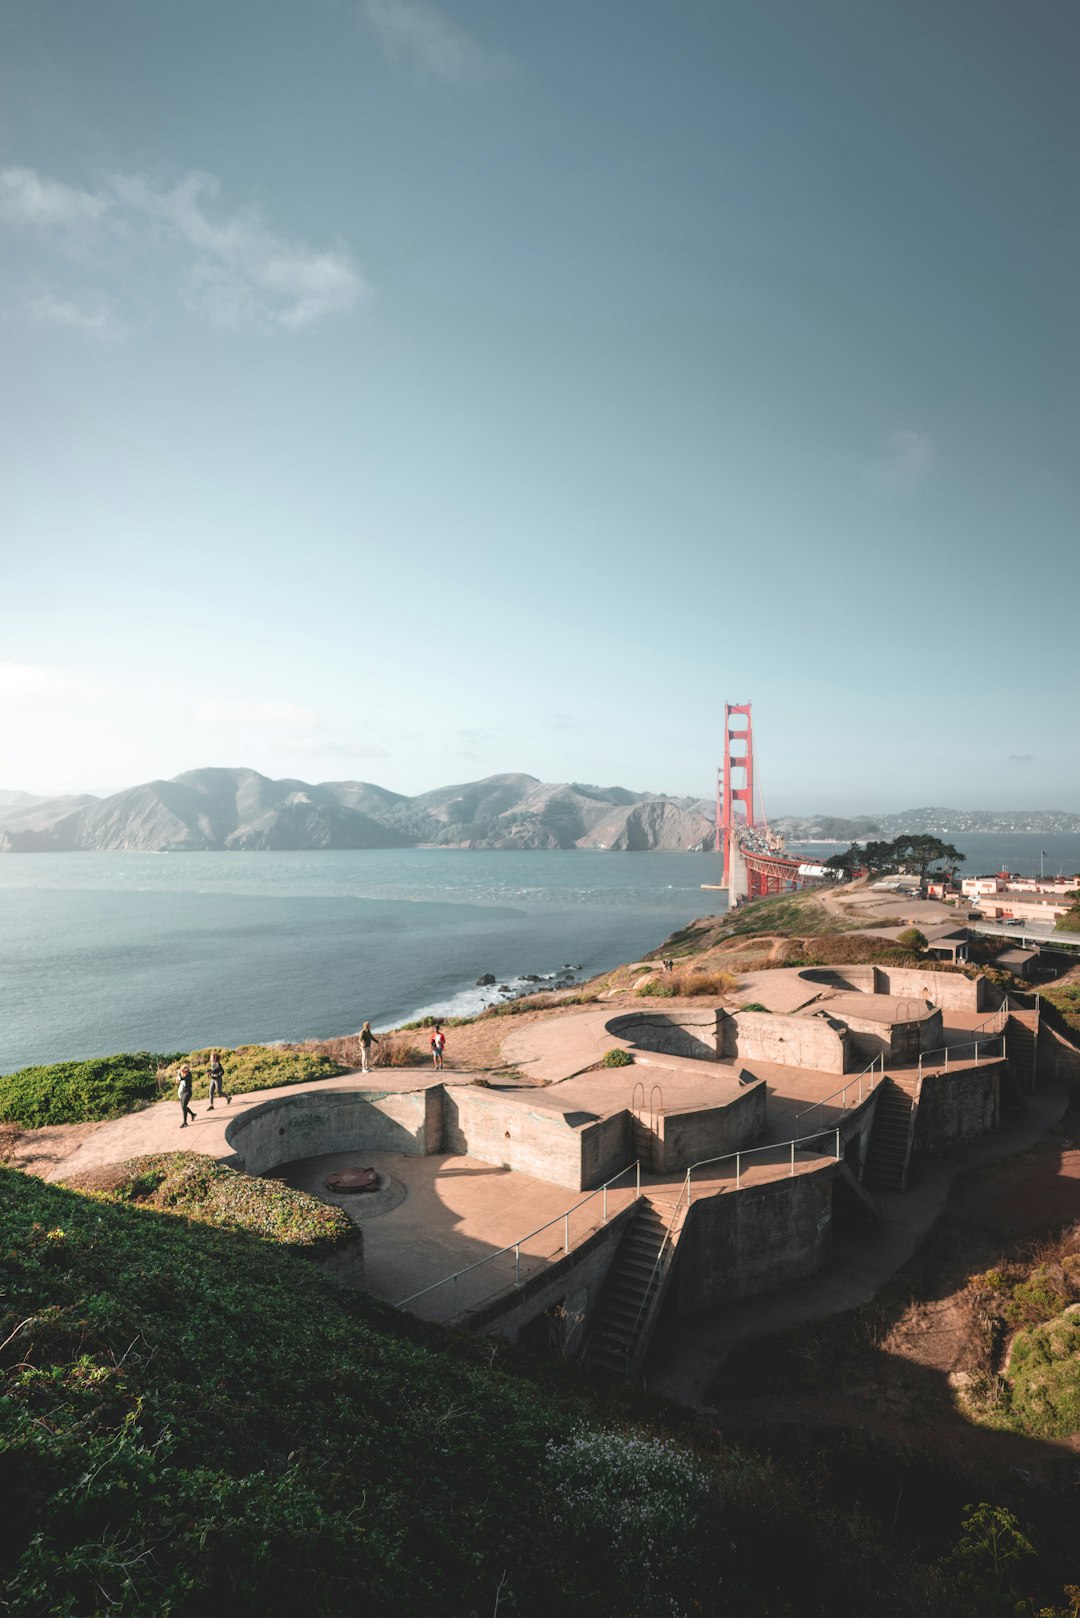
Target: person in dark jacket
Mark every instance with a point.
(367, 1039)
(183, 1094)
(217, 1080)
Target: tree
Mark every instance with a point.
(923, 851)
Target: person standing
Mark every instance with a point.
(438, 1045)
(217, 1081)
(367, 1039)
(183, 1094)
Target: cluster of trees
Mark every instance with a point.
(914, 854)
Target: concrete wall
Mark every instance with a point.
(737, 1243)
(899, 1041)
(1058, 1057)
(791, 1041)
(948, 989)
(860, 978)
(313, 1122)
(683, 1138)
(565, 1291)
(680, 1033)
(575, 1150)
(959, 1105)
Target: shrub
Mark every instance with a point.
(80, 1092)
(198, 1187)
(911, 938)
(616, 1058)
(753, 1005)
(657, 991)
(255, 1067)
(396, 1052)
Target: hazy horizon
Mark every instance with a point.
(435, 786)
(394, 390)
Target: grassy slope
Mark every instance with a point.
(197, 1187)
(197, 1422)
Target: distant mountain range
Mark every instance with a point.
(241, 809)
(936, 822)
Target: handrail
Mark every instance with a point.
(515, 1247)
(776, 1146)
(879, 1060)
(657, 1272)
(975, 1045)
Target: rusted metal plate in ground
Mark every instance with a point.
(352, 1180)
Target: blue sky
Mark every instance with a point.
(410, 393)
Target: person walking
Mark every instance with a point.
(183, 1094)
(367, 1039)
(217, 1081)
(438, 1045)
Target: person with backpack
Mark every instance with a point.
(438, 1045)
(217, 1081)
(183, 1094)
(367, 1039)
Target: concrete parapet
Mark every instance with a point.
(766, 1036)
(675, 1033)
(311, 1123)
(735, 1244)
(958, 1104)
(574, 1149)
(684, 1138)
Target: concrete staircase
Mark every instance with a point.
(630, 1303)
(1022, 1047)
(890, 1139)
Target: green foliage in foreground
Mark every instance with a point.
(198, 1187)
(255, 1067)
(194, 1422)
(79, 1092)
(616, 1058)
(1044, 1376)
(1066, 1000)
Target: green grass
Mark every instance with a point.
(193, 1421)
(78, 1092)
(197, 1187)
(255, 1067)
(1043, 1398)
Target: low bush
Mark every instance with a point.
(198, 1187)
(80, 1092)
(657, 991)
(616, 1058)
(753, 1005)
(254, 1067)
(912, 938)
(1044, 1376)
(392, 1051)
(689, 985)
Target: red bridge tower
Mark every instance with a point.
(734, 781)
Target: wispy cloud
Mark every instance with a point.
(413, 31)
(903, 465)
(91, 314)
(1022, 758)
(29, 198)
(244, 271)
(232, 269)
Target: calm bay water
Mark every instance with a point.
(109, 952)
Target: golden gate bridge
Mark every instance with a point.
(756, 861)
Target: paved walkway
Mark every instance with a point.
(688, 1355)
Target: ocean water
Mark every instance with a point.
(111, 952)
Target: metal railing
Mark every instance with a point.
(562, 1219)
(859, 1084)
(777, 1146)
(929, 1058)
